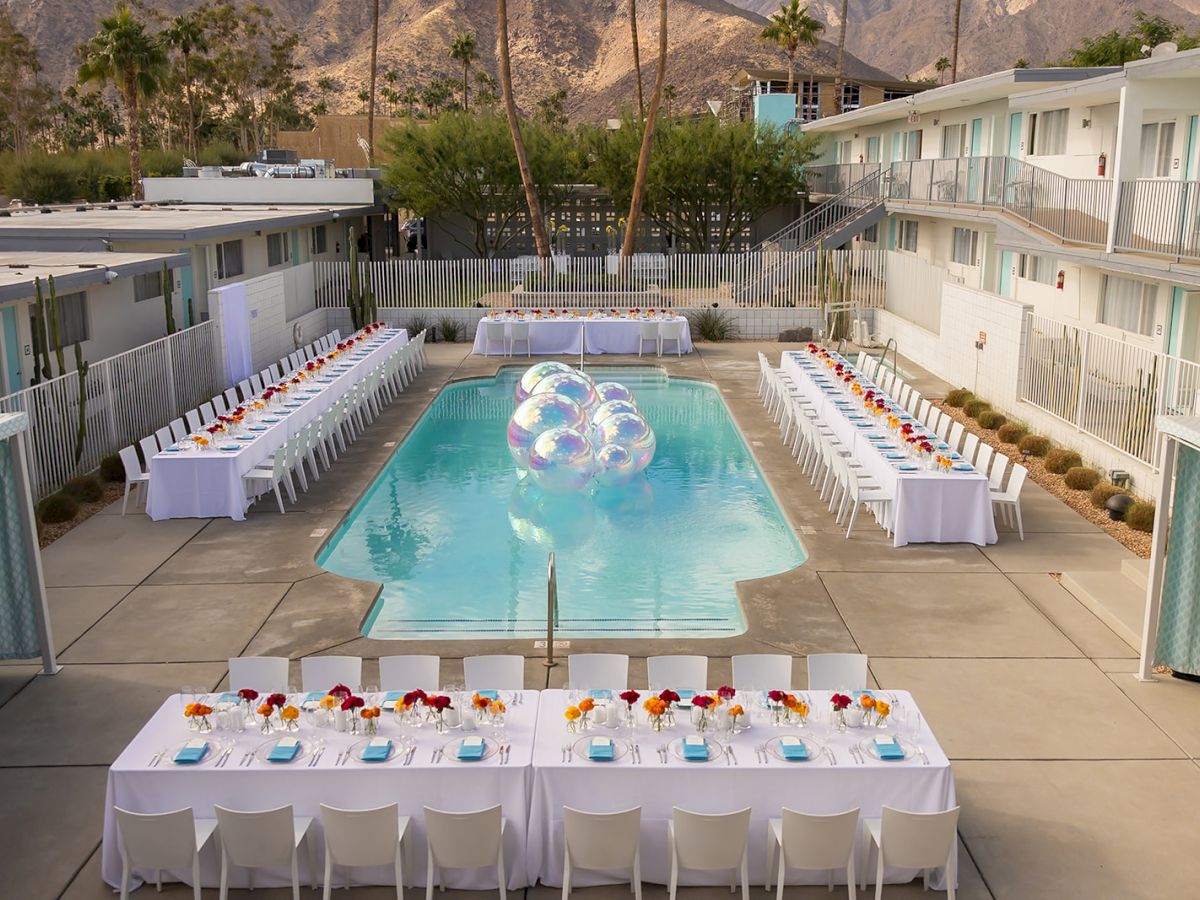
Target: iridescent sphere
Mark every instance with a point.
(612, 407)
(555, 521)
(569, 384)
(539, 414)
(611, 390)
(561, 460)
(630, 431)
(614, 466)
(536, 373)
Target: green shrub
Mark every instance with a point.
(112, 469)
(1034, 445)
(1012, 432)
(416, 325)
(450, 329)
(958, 397)
(1081, 478)
(1060, 460)
(1140, 516)
(713, 325)
(973, 408)
(84, 488)
(990, 419)
(1103, 492)
(57, 508)
(42, 178)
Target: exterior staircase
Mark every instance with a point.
(1118, 599)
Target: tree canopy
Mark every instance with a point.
(1115, 49)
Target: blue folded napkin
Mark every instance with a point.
(228, 697)
(312, 699)
(173, 449)
(854, 418)
(893, 456)
(862, 425)
(888, 748)
(685, 697)
(390, 699)
(600, 694)
(942, 445)
(876, 437)
(285, 750)
(489, 694)
(191, 752)
(471, 748)
(378, 750)
(859, 694)
(793, 748)
(695, 748)
(245, 437)
(287, 412)
(292, 404)
(963, 467)
(907, 467)
(600, 748)
(268, 419)
(954, 456)
(230, 447)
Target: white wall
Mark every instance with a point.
(310, 191)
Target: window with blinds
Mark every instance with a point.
(1048, 132)
(964, 245)
(1128, 304)
(72, 320)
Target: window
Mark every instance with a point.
(1048, 132)
(318, 239)
(1158, 143)
(953, 141)
(1036, 268)
(851, 97)
(910, 145)
(1128, 304)
(908, 236)
(895, 94)
(964, 246)
(846, 151)
(229, 259)
(871, 234)
(147, 286)
(72, 320)
(873, 149)
(277, 248)
(810, 101)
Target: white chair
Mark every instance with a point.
(207, 412)
(996, 476)
(909, 840)
(268, 376)
(762, 672)
(150, 449)
(957, 430)
(360, 838)
(133, 475)
(179, 430)
(922, 412)
(266, 674)
(807, 841)
(675, 672)
(219, 405)
(914, 401)
(469, 840)
(232, 401)
(256, 840)
(945, 427)
(494, 673)
(164, 437)
(405, 673)
(278, 472)
(970, 447)
(591, 671)
(160, 841)
(837, 672)
(518, 333)
(256, 383)
(245, 389)
(983, 459)
(671, 331)
(320, 673)
(648, 331)
(1009, 500)
(602, 842)
(194, 422)
(696, 841)
(493, 332)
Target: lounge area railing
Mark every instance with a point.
(834, 179)
(1161, 217)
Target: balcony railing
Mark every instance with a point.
(1073, 209)
(839, 210)
(834, 179)
(1161, 217)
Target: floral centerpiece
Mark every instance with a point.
(496, 711)
(737, 718)
(409, 707)
(370, 719)
(656, 708)
(586, 705)
(247, 696)
(438, 704)
(883, 709)
(290, 717)
(629, 698)
(701, 719)
(775, 705)
(197, 715)
(796, 710)
(670, 698)
(840, 703)
(349, 705)
(265, 714)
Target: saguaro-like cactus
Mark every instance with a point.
(41, 358)
(168, 288)
(360, 299)
(55, 334)
(81, 367)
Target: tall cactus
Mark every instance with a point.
(360, 299)
(81, 367)
(168, 288)
(41, 357)
(55, 335)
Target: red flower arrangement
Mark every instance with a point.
(812, 348)
(277, 700)
(249, 694)
(926, 447)
(310, 366)
(668, 696)
(340, 691)
(839, 701)
(341, 345)
(725, 692)
(776, 696)
(630, 697)
(703, 701)
(414, 697)
(352, 703)
(907, 428)
(438, 702)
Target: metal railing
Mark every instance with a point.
(128, 397)
(836, 178)
(551, 611)
(1110, 389)
(828, 216)
(1161, 217)
(1075, 210)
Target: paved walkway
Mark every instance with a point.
(1070, 773)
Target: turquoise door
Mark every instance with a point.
(12, 350)
(1006, 266)
(974, 165)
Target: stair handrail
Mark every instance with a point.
(551, 611)
(859, 194)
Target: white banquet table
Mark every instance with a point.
(194, 483)
(928, 506)
(565, 335)
(450, 785)
(720, 786)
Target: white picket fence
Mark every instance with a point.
(748, 280)
(129, 396)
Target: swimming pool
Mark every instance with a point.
(461, 544)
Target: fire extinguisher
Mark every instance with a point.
(1102, 164)
(1061, 277)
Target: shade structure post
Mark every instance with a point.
(1158, 558)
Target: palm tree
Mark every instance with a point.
(670, 92)
(463, 50)
(410, 98)
(643, 166)
(637, 60)
(123, 54)
(186, 34)
(371, 83)
(942, 64)
(788, 29)
(540, 241)
(326, 86)
(954, 50)
(841, 60)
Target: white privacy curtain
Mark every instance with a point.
(233, 308)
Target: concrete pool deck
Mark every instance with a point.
(1070, 773)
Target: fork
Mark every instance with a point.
(156, 758)
(637, 754)
(317, 751)
(223, 758)
(504, 754)
(921, 753)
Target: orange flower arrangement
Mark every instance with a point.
(328, 702)
(866, 701)
(480, 702)
(656, 706)
(736, 710)
(367, 712)
(289, 714)
(586, 705)
(200, 440)
(882, 709)
(893, 422)
(197, 711)
(572, 713)
(497, 708)
(266, 710)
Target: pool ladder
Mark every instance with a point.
(551, 611)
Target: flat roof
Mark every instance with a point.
(74, 271)
(175, 222)
(745, 76)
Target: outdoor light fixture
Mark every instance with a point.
(1119, 477)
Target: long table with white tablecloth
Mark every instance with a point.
(187, 482)
(566, 335)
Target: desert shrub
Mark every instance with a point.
(958, 397)
(972, 408)
(84, 488)
(1140, 516)
(991, 419)
(1012, 432)
(1081, 478)
(1060, 460)
(416, 325)
(41, 178)
(1104, 491)
(112, 469)
(451, 329)
(713, 325)
(58, 508)
(1034, 445)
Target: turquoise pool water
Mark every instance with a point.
(461, 544)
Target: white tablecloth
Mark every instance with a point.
(448, 785)
(562, 337)
(717, 787)
(208, 483)
(928, 506)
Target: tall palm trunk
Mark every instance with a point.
(954, 51)
(371, 88)
(540, 241)
(133, 130)
(187, 90)
(791, 55)
(466, 73)
(637, 58)
(841, 60)
(643, 167)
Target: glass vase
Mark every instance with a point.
(265, 724)
(439, 722)
(656, 723)
(371, 726)
(203, 724)
(839, 721)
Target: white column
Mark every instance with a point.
(1128, 160)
